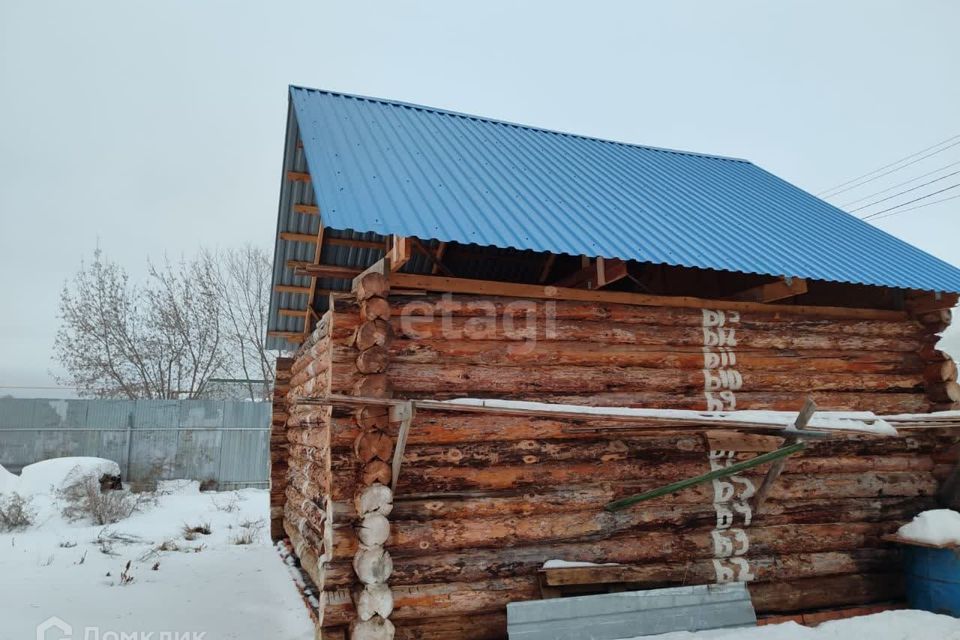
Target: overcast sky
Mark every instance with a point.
(152, 127)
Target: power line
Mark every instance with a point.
(899, 184)
(833, 191)
(919, 206)
(903, 204)
(900, 193)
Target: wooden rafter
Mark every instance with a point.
(772, 291)
(486, 287)
(298, 176)
(290, 288)
(547, 266)
(400, 251)
(441, 249)
(290, 336)
(310, 270)
(308, 209)
(308, 315)
(347, 242)
(595, 275)
(432, 255)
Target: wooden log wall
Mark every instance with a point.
(279, 454)
(483, 500)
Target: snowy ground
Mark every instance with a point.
(208, 584)
(212, 586)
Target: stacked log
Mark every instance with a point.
(278, 447)
(373, 451)
(483, 499)
(940, 371)
(622, 355)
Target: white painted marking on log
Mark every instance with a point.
(721, 381)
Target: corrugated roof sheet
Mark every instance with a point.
(393, 168)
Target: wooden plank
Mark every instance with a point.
(318, 249)
(809, 408)
(400, 252)
(290, 336)
(298, 176)
(304, 268)
(441, 249)
(403, 414)
(487, 287)
(289, 288)
(291, 313)
(346, 242)
(433, 256)
(772, 291)
(307, 209)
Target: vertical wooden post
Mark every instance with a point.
(279, 447)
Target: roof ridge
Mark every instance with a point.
(518, 125)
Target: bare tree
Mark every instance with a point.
(243, 277)
(117, 340)
(191, 323)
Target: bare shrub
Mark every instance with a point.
(83, 498)
(230, 505)
(190, 532)
(249, 533)
(16, 512)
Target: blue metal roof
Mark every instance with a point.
(394, 168)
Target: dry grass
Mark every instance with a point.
(83, 498)
(16, 512)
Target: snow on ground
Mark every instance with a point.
(889, 625)
(937, 527)
(72, 570)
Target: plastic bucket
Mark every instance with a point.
(933, 579)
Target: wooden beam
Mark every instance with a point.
(289, 288)
(404, 415)
(547, 266)
(298, 176)
(931, 302)
(310, 270)
(289, 336)
(400, 252)
(317, 250)
(441, 249)
(803, 418)
(308, 209)
(772, 291)
(596, 275)
(422, 248)
(533, 291)
(291, 313)
(348, 242)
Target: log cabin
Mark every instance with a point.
(424, 256)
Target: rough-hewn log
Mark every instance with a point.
(815, 593)
(371, 284)
(425, 328)
(373, 360)
(545, 352)
(486, 626)
(654, 547)
(759, 318)
(425, 379)
(940, 371)
(944, 391)
(374, 308)
(375, 333)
